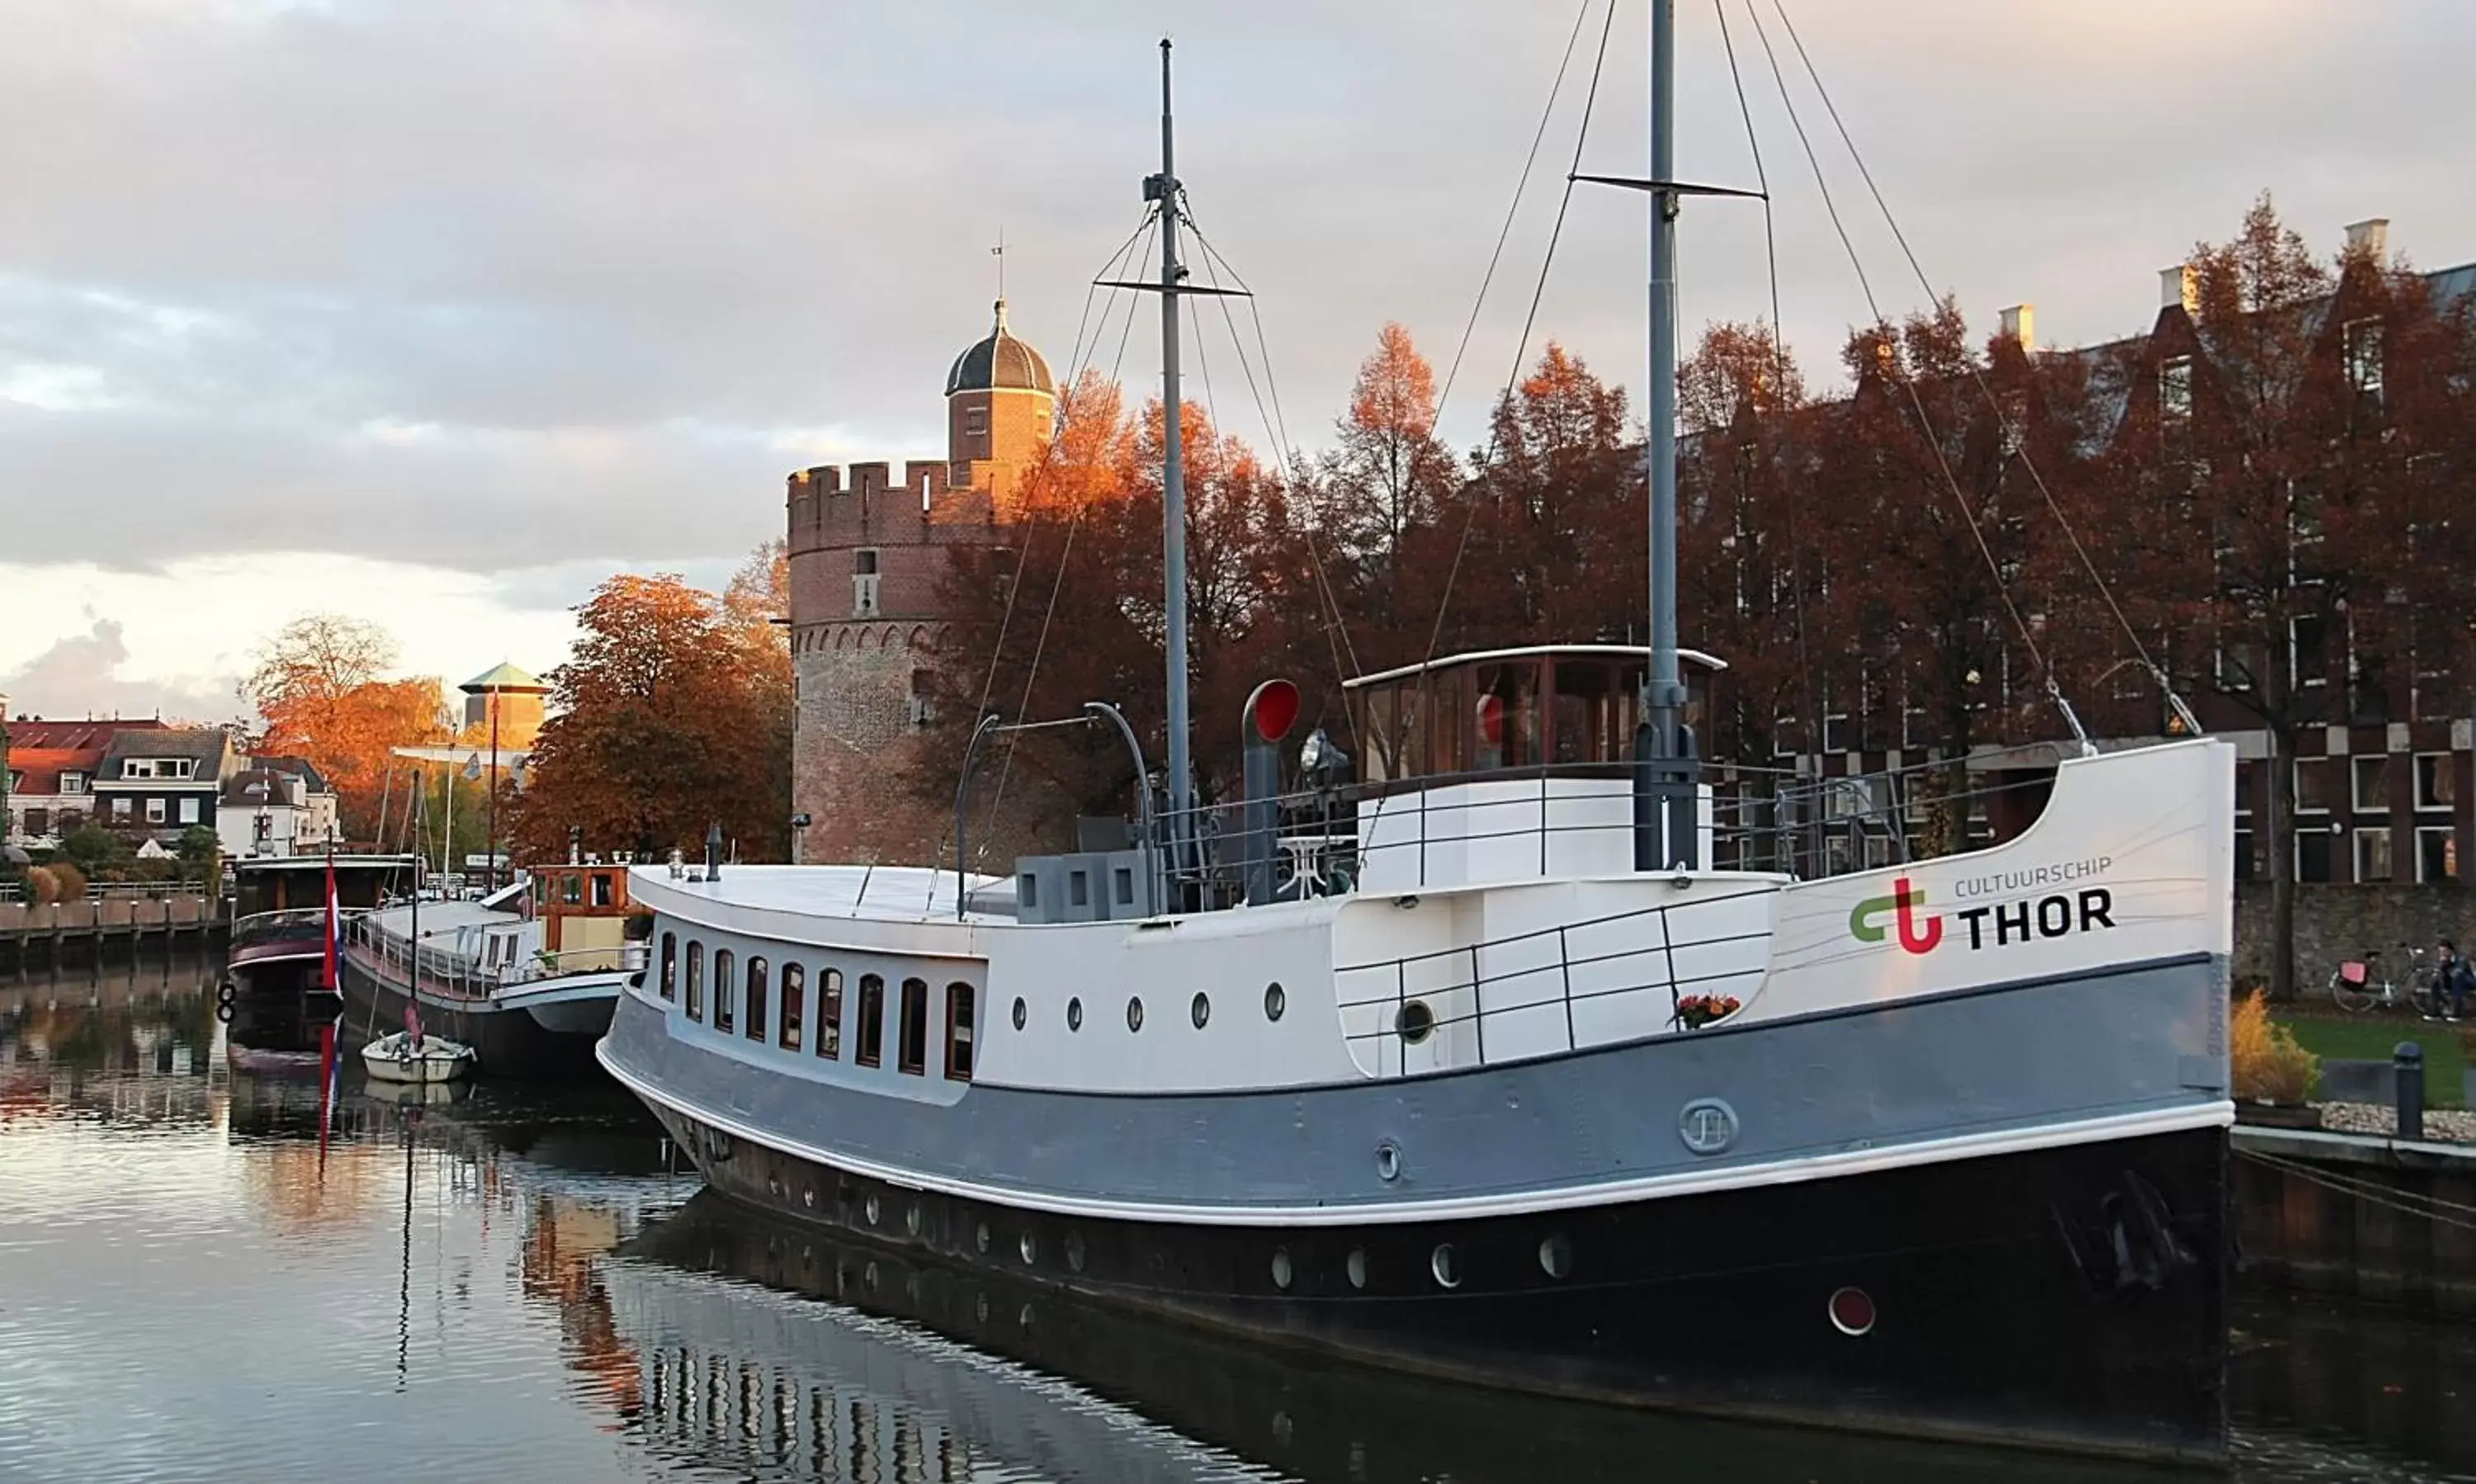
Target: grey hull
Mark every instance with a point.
(2023, 1065)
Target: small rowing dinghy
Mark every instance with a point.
(405, 1056)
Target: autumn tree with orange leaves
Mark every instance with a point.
(320, 684)
(1071, 610)
(673, 712)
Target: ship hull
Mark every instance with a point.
(2070, 1297)
(506, 1041)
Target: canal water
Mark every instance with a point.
(200, 1279)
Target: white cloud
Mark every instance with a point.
(455, 299)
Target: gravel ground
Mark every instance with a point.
(2450, 1127)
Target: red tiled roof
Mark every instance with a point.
(42, 766)
(76, 737)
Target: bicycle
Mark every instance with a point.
(2353, 987)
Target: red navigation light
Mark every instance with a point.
(1273, 708)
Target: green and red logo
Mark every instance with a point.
(1918, 933)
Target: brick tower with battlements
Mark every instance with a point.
(868, 556)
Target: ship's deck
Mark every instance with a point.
(891, 894)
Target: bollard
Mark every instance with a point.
(2408, 1062)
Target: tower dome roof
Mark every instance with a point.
(1000, 364)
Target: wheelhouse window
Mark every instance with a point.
(756, 987)
(670, 980)
(696, 981)
(1569, 705)
(571, 891)
(795, 996)
(915, 1050)
(830, 1014)
(871, 1051)
(726, 997)
(958, 1032)
(602, 889)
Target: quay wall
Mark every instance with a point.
(2359, 1216)
(53, 931)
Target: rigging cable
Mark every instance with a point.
(1554, 91)
(1779, 377)
(2003, 421)
(1916, 403)
(1521, 348)
(1336, 629)
(1147, 230)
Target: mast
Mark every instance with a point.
(1181, 784)
(1665, 824)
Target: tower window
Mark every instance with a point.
(864, 561)
(976, 420)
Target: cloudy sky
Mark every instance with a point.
(437, 312)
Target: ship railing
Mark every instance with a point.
(293, 923)
(1569, 818)
(453, 972)
(1627, 955)
(553, 963)
(436, 969)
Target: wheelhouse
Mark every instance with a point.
(1567, 709)
(587, 922)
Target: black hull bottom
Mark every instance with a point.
(506, 1042)
(1307, 1416)
(2070, 1298)
(274, 1011)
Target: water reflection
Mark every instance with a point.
(769, 1382)
(500, 1281)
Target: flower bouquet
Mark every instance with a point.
(1696, 1011)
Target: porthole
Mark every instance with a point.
(1075, 1013)
(1030, 1250)
(869, 1278)
(1414, 1021)
(1388, 1161)
(1557, 1256)
(1281, 1269)
(1357, 1267)
(1200, 1010)
(980, 1308)
(1022, 1012)
(1851, 1311)
(1275, 1001)
(808, 1197)
(981, 1239)
(774, 1185)
(1074, 1251)
(914, 1219)
(870, 1207)
(1135, 1014)
(1442, 1264)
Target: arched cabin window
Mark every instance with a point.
(696, 981)
(830, 1014)
(670, 966)
(872, 1022)
(725, 1006)
(914, 1057)
(795, 997)
(958, 1031)
(756, 987)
